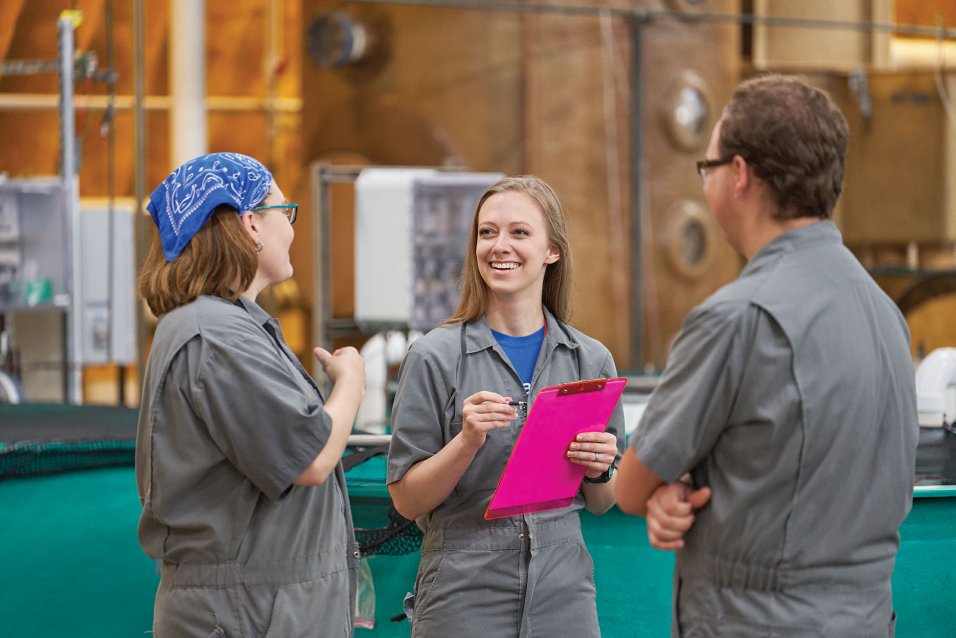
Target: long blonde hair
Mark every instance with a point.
(556, 295)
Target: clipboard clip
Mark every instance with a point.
(580, 387)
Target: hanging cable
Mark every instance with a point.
(649, 15)
(938, 68)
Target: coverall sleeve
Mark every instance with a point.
(419, 412)
(693, 401)
(268, 422)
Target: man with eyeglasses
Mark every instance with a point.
(777, 453)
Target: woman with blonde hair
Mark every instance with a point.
(454, 428)
(237, 452)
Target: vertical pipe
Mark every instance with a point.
(321, 286)
(73, 378)
(636, 169)
(274, 38)
(67, 125)
(139, 175)
(187, 81)
(109, 118)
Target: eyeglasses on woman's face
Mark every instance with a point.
(289, 210)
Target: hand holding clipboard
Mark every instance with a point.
(539, 476)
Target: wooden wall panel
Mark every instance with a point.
(786, 47)
(232, 70)
(444, 87)
(9, 14)
(900, 161)
(926, 12)
(249, 70)
(681, 53)
(578, 139)
(548, 93)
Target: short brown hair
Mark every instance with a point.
(219, 260)
(794, 137)
(558, 276)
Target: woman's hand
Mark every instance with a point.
(594, 450)
(482, 412)
(343, 364)
(346, 369)
(429, 482)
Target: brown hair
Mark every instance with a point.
(219, 260)
(794, 137)
(556, 295)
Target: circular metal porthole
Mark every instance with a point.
(689, 238)
(686, 112)
(335, 39)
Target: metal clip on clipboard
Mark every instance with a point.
(579, 387)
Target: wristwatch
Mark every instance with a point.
(604, 478)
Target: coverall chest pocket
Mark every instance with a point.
(489, 461)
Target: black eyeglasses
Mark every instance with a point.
(705, 165)
(289, 210)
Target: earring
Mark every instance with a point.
(258, 246)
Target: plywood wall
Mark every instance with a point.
(237, 67)
(926, 12)
(490, 90)
(551, 94)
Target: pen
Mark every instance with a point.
(516, 404)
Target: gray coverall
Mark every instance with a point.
(528, 575)
(229, 419)
(790, 392)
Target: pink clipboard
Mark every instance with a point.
(538, 475)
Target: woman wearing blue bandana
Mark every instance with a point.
(237, 453)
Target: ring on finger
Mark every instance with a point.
(596, 457)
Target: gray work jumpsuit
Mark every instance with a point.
(790, 392)
(229, 419)
(528, 575)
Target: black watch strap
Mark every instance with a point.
(604, 478)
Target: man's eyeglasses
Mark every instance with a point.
(703, 166)
(289, 210)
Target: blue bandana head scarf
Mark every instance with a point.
(186, 199)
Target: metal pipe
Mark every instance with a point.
(110, 130)
(273, 38)
(85, 68)
(139, 176)
(321, 293)
(637, 194)
(29, 67)
(74, 374)
(224, 103)
(359, 440)
(187, 80)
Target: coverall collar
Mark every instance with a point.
(479, 335)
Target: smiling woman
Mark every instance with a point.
(535, 201)
(513, 249)
(454, 425)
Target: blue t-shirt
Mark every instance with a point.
(523, 353)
